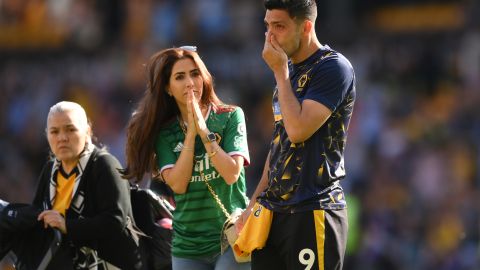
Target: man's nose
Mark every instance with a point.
(268, 32)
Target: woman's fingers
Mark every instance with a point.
(197, 114)
(199, 120)
(47, 213)
(190, 113)
(52, 218)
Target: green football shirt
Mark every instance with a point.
(197, 219)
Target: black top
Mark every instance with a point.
(304, 176)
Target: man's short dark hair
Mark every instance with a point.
(297, 9)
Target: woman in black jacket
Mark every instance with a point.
(83, 195)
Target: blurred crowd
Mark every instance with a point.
(413, 151)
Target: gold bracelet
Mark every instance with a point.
(187, 148)
(210, 155)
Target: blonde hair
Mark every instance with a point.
(64, 106)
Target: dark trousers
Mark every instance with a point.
(314, 240)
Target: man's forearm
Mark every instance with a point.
(290, 108)
(262, 184)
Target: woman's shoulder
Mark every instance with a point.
(47, 167)
(227, 109)
(224, 114)
(169, 131)
(223, 108)
(103, 156)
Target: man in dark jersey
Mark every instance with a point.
(312, 104)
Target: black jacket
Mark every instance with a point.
(106, 212)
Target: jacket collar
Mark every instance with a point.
(82, 163)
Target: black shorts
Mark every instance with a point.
(312, 240)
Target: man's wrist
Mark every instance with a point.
(282, 75)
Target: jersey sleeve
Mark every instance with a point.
(166, 158)
(235, 137)
(331, 81)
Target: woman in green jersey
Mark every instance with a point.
(185, 136)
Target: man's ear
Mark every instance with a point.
(308, 26)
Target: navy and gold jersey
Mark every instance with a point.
(305, 176)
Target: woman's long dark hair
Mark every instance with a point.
(156, 109)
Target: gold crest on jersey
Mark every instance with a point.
(302, 81)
